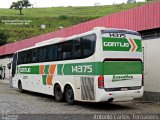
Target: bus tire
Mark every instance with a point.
(58, 93)
(20, 86)
(69, 94)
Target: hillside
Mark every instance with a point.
(18, 27)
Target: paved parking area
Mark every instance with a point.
(14, 102)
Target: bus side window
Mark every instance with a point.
(24, 57)
(67, 50)
(42, 54)
(77, 52)
(88, 45)
(51, 53)
(48, 54)
(14, 64)
(19, 58)
(29, 56)
(54, 52)
(34, 56)
(59, 52)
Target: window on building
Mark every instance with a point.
(150, 34)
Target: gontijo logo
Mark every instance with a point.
(116, 44)
(21, 70)
(121, 44)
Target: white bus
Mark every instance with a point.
(100, 65)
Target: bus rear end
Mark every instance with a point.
(121, 58)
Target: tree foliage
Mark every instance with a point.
(131, 1)
(19, 5)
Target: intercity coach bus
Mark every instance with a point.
(103, 64)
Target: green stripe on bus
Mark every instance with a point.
(139, 45)
(90, 68)
(28, 70)
(44, 77)
(46, 69)
(76, 69)
(112, 68)
(99, 68)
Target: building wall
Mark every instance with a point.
(152, 69)
(5, 74)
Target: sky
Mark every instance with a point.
(55, 3)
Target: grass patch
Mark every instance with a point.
(53, 18)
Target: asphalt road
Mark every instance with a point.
(12, 102)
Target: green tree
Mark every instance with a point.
(26, 3)
(3, 38)
(19, 5)
(131, 1)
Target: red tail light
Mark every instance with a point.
(142, 79)
(101, 81)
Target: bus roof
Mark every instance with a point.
(94, 30)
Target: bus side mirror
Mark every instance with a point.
(9, 65)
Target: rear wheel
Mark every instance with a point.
(69, 94)
(20, 86)
(58, 93)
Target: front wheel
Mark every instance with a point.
(20, 86)
(69, 94)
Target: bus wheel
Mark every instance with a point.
(20, 86)
(58, 93)
(69, 94)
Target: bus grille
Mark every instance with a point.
(87, 88)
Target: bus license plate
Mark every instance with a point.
(124, 89)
